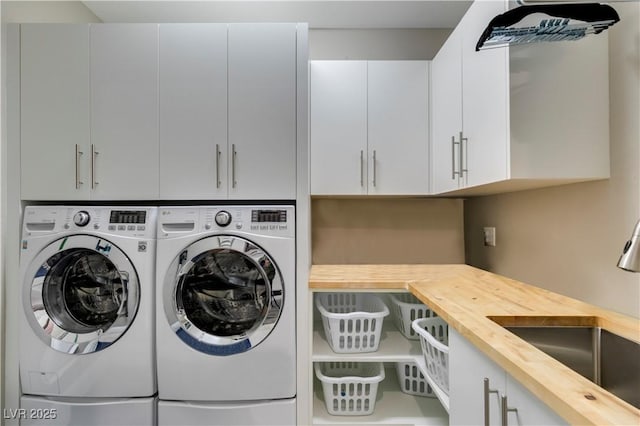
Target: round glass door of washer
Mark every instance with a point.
(81, 294)
(223, 295)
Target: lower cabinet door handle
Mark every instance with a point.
(505, 409)
(487, 408)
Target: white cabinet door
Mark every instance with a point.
(446, 92)
(124, 111)
(467, 370)
(193, 111)
(338, 123)
(54, 112)
(262, 111)
(530, 410)
(398, 127)
(485, 91)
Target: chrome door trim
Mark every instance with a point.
(199, 339)
(53, 334)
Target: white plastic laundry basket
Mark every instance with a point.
(434, 339)
(352, 321)
(412, 381)
(350, 388)
(407, 308)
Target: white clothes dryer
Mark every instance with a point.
(225, 312)
(87, 328)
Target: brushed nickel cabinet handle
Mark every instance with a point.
(487, 408)
(362, 168)
(505, 409)
(374, 167)
(218, 183)
(454, 172)
(464, 142)
(233, 165)
(94, 154)
(78, 181)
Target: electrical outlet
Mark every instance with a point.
(489, 236)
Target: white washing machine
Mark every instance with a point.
(87, 328)
(225, 312)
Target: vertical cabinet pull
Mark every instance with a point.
(463, 153)
(454, 172)
(362, 168)
(218, 183)
(374, 167)
(78, 154)
(487, 408)
(94, 154)
(234, 155)
(506, 410)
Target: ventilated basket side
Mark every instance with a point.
(339, 303)
(434, 339)
(350, 388)
(412, 381)
(354, 326)
(406, 309)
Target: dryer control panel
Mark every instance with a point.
(261, 220)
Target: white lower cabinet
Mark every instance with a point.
(392, 406)
(473, 378)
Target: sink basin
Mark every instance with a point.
(609, 360)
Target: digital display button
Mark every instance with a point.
(272, 216)
(128, 216)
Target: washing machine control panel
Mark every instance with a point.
(121, 221)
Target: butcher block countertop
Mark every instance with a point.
(467, 297)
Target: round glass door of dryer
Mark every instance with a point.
(223, 295)
(81, 294)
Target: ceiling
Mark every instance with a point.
(344, 14)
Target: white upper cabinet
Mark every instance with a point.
(55, 142)
(124, 111)
(193, 111)
(338, 123)
(89, 112)
(446, 115)
(398, 127)
(158, 111)
(369, 127)
(485, 84)
(531, 116)
(262, 111)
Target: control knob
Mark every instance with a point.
(223, 218)
(81, 218)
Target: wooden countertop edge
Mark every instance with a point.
(567, 396)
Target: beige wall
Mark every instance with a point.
(46, 11)
(387, 230)
(388, 44)
(568, 239)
